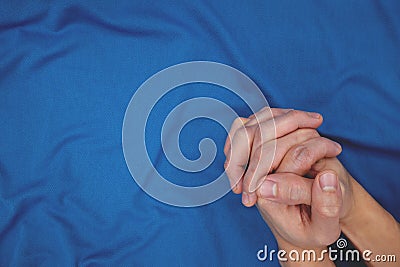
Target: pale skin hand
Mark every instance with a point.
(289, 138)
(296, 229)
(360, 217)
(332, 205)
(252, 141)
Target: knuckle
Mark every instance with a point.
(238, 122)
(241, 132)
(302, 156)
(297, 115)
(296, 193)
(293, 193)
(226, 164)
(294, 113)
(305, 133)
(313, 133)
(330, 211)
(325, 141)
(240, 135)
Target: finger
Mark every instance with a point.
(266, 131)
(328, 164)
(326, 204)
(270, 130)
(236, 185)
(287, 142)
(239, 122)
(286, 123)
(265, 114)
(270, 155)
(286, 188)
(282, 219)
(235, 172)
(300, 158)
(237, 158)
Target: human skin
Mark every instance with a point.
(334, 199)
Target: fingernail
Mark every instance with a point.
(245, 198)
(328, 182)
(268, 189)
(252, 199)
(314, 115)
(338, 146)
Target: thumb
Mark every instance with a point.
(326, 203)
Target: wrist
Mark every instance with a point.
(351, 218)
(370, 227)
(363, 209)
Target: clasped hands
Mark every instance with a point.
(277, 160)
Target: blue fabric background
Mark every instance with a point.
(68, 70)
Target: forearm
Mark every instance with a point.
(370, 227)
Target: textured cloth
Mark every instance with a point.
(68, 70)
